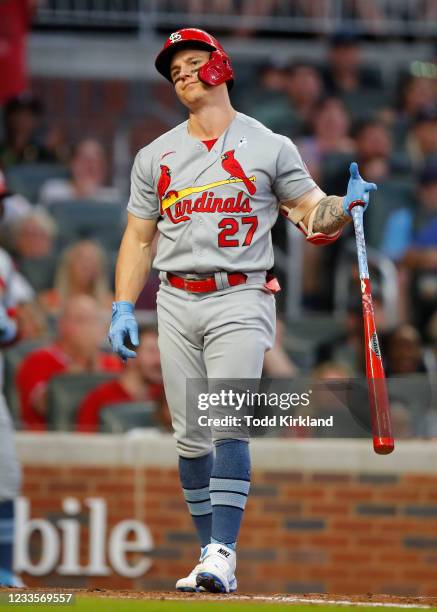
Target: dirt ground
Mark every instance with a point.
(367, 598)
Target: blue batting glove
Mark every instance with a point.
(8, 327)
(123, 328)
(357, 190)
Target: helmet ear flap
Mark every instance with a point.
(217, 70)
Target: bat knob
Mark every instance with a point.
(383, 446)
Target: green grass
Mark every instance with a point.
(91, 604)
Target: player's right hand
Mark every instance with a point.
(124, 328)
(358, 190)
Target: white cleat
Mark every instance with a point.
(189, 584)
(216, 571)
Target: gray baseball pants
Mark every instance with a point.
(218, 335)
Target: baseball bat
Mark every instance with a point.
(383, 442)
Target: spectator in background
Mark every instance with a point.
(15, 17)
(415, 94)
(23, 142)
(272, 78)
(410, 239)
(89, 169)
(31, 240)
(286, 97)
(402, 351)
(81, 271)
(33, 236)
(139, 381)
(421, 141)
(409, 227)
(330, 125)
(31, 321)
(345, 73)
(75, 349)
(304, 89)
(268, 101)
(373, 149)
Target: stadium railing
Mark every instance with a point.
(376, 17)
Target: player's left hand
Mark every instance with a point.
(357, 190)
(124, 328)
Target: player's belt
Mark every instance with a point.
(204, 285)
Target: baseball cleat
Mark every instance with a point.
(216, 573)
(189, 584)
(212, 584)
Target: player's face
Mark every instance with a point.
(184, 73)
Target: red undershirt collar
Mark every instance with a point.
(210, 143)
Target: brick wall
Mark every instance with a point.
(314, 530)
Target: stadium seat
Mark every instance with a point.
(12, 357)
(122, 416)
(79, 219)
(64, 395)
(27, 179)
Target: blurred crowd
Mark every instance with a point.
(62, 220)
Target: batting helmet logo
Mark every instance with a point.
(175, 37)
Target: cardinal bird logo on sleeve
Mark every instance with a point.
(233, 167)
(163, 185)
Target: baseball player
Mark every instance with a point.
(10, 475)
(213, 187)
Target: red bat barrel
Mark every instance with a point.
(383, 442)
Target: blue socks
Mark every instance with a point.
(229, 488)
(216, 491)
(6, 542)
(195, 474)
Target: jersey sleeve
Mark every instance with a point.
(292, 177)
(143, 201)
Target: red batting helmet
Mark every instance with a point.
(216, 71)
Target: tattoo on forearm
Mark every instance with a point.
(329, 215)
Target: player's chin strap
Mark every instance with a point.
(317, 238)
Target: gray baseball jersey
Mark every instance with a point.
(215, 209)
